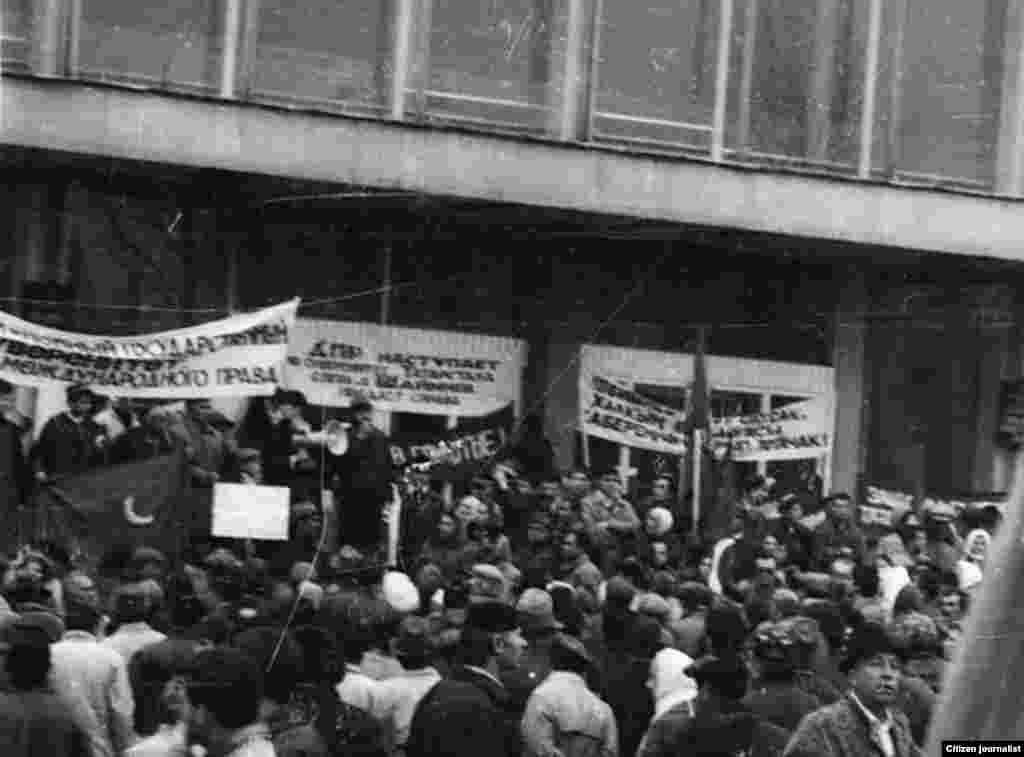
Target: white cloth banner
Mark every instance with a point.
(610, 409)
(240, 355)
(404, 370)
(795, 432)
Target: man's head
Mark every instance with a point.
(81, 401)
(873, 666)
(200, 409)
(362, 413)
(226, 691)
(577, 482)
(662, 487)
(571, 546)
(610, 484)
(413, 646)
(790, 508)
(288, 403)
(951, 603)
(492, 632)
(659, 554)
(840, 508)
(79, 587)
(250, 464)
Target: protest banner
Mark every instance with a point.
(240, 355)
(141, 503)
(458, 454)
(404, 370)
(611, 409)
(247, 511)
(794, 432)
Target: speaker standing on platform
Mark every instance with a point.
(362, 481)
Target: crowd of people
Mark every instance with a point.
(530, 612)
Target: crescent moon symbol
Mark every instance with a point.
(133, 517)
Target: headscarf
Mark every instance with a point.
(663, 520)
(671, 685)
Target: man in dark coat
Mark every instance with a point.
(865, 721)
(364, 475)
(470, 712)
(71, 442)
(15, 474)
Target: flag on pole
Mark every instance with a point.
(142, 503)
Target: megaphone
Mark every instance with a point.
(336, 437)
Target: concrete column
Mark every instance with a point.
(572, 69)
(822, 79)
(1010, 147)
(850, 371)
(48, 38)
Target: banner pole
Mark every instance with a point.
(586, 450)
(696, 452)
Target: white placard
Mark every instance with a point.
(246, 511)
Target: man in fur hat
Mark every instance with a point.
(864, 722)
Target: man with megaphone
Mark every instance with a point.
(362, 479)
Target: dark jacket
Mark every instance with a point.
(460, 717)
(141, 443)
(15, 474)
(841, 730)
(781, 704)
(66, 447)
(726, 729)
(798, 541)
(38, 724)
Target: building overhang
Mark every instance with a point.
(147, 126)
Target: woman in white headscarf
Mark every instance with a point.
(969, 568)
(892, 561)
(674, 694)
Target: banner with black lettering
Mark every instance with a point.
(468, 450)
(236, 356)
(611, 409)
(404, 370)
(794, 432)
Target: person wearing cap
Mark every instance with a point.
(470, 711)
(539, 625)
(33, 720)
(609, 519)
(838, 530)
(774, 696)
(208, 448)
(794, 536)
(487, 584)
(865, 721)
(15, 473)
(133, 611)
(721, 725)
(70, 442)
(93, 680)
(563, 716)
(363, 479)
(397, 698)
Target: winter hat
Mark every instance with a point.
(868, 640)
(400, 592)
(618, 592)
(537, 612)
(726, 675)
(663, 520)
(487, 583)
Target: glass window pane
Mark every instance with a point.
(656, 72)
(323, 52)
(17, 19)
(796, 82)
(492, 62)
(945, 101)
(725, 404)
(781, 400)
(175, 44)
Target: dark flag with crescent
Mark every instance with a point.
(140, 503)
